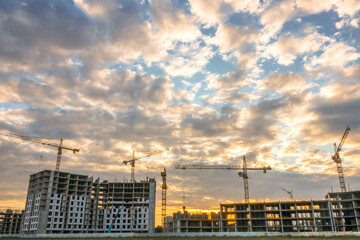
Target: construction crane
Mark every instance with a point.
(132, 161)
(163, 199)
(59, 146)
(243, 174)
(290, 193)
(184, 208)
(336, 158)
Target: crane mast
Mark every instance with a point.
(59, 146)
(244, 171)
(134, 159)
(336, 158)
(246, 180)
(163, 199)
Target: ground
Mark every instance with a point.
(205, 238)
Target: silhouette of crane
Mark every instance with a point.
(59, 145)
(133, 159)
(243, 174)
(336, 158)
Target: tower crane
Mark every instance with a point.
(133, 159)
(184, 207)
(336, 158)
(243, 173)
(59, 145)
(290, 193)
(163, 199)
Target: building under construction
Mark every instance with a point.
(10, 221)
(60, 202)
(338, 212)
(193, 222)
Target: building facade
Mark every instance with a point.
(10, 221)
(59, 202)
(193, 222)
(128, 206)
(338, 212)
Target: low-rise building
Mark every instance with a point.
(193, 222)
(338, 212)
(10, 221)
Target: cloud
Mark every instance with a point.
(210, 14)
(347, 7)
(313, 6)
(227, 81)
(116, 76)
(284, 83)
(331, 112)
(41, 33)
(343, 54)
(260, 126)
(171, 24)
(274, 17)
(288, 47)
(125, 35)
(209, 124)
(128, 88)
(247, 6)
(239, 42)
(188, 60)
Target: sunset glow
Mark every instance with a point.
(277, 81)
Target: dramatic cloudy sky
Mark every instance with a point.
(278, 81)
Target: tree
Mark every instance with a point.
(158, 229)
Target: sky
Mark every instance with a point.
(277, 81)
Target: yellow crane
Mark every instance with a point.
(242, 174)
(59, 145)
(133, 159)
(336, 158)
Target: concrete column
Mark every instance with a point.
(235, 223)
(333, 227)
(43, 214)
(249, 207)
(152, 197)
(313, 215)
(281, 218)
(220, 220)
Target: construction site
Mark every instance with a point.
(60, 202)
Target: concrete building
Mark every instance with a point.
(132, 202)
(57, 202)
(193, 222)
(338, 212)
(10, 221)
(60, 202)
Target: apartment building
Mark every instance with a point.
(338, 212)
(193, 222)
(60, 202)
(57, 202)
(128, 206)
(10, 221)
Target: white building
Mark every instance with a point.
(59, 202)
